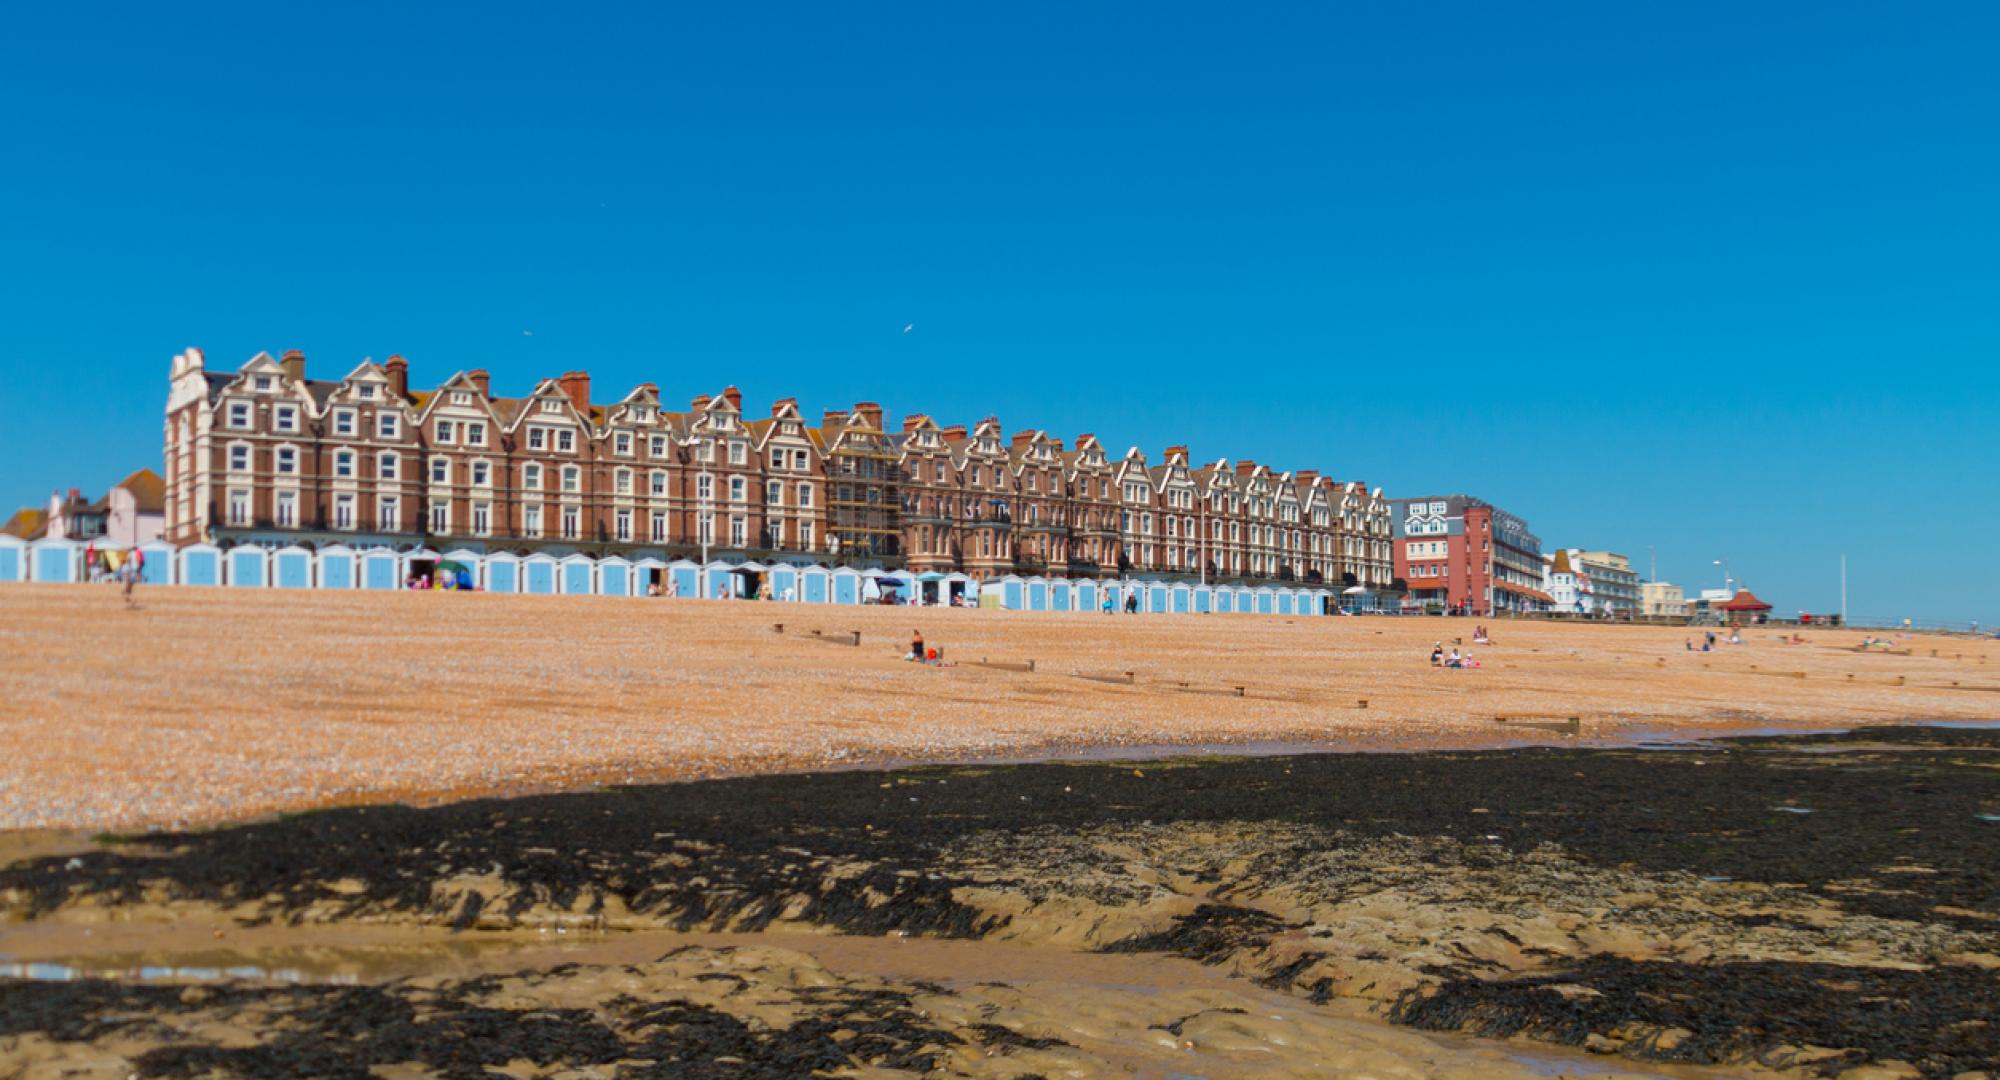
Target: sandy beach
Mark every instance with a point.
(212, 705)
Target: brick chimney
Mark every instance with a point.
(869, 412)
(577, 385)
(912, 422)
(956, 431)
(1083, 438)
(1177, 452)
(734, 397)
(1306, 476)
(294, 363)
(699, 403)
(1245, 467)
(1023, 438)
(778, 407)
(481, 381)
(398, 370)
(833, 418)
(649, 387)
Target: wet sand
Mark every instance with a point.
(217, 705)
(1816, 906)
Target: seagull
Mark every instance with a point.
(527, 333)
(907, 327)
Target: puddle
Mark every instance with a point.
(1987, 817)
(1792, 809)
(48, 972)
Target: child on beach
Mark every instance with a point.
(1437, 654)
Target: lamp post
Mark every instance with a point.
(1726, 580)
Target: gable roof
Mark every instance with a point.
(27, 523)
(149, 492)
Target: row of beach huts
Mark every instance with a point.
(339, 567)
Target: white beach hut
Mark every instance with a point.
(55, 561)
(248, 567)
(292, 568)
(503, 572)
(200, 564)
(845, 586)
(13, 558)
(614, 576)
(538, 574)
(333, 567)
(649, 576)
(381, 568)
(815, 585)
(684, 577)
(578, 574)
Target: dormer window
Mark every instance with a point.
(263, 382)
(367, 391)
(551, 406)
(461, 397)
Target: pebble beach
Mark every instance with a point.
(205, 706)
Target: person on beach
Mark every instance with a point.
(1437, 654)
(916, 646)
(1690, 644)
(1454, 661)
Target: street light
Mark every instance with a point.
(1726, 580)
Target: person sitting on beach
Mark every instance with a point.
(1479, 636)
(916, 646)
(1454, 660)
(1437, 654)
(1690, 644)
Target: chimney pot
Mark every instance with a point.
(734, 397)
(577, 385)
(833, 418)
(778, 407)
(294, 363)
(481, 381)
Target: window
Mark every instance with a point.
(239, 458)
(805, 536)
(659, 449)
(440, 517)
(659, 483)
(739, 531)
(538, 438)
(777, 459)
(736, 489)
(386, 512)
(621, 443)
(624, 525)
(288, 509)
(367, 391)
(440, 470)
(572, 523)
(706, 529)
(799, 460)
(704, 487)
(343, 513)
(572, 478)
(475, 434)
(444, 431)
(286, 418)
(288, 461)
(387, 426)
(976, 474)
(482, 519)
(461, 397)
(531, 477)
(806, 495)
(565, 441)
(239, 414)
(738, 453)
(263, 382)
(622, 482)
(659, 527)
(706, 451)
(343, 464)
(482, 474)
(343, 421)
(774, 493)
(531, 520)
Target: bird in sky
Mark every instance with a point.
(907, 327)
(527, 333)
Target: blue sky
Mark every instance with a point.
(1715, 280)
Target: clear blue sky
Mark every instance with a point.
(1719, 280)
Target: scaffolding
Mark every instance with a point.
(864, 483)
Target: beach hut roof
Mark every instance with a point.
(1744, 600)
